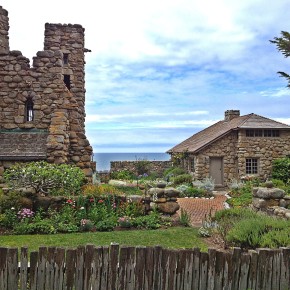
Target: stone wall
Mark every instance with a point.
(58, 108)
(266, 149)
(274, 201)
(225, 148)
(153, 166)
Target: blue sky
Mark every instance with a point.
(160, 71)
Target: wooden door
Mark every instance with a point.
(216, 170)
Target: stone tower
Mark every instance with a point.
(42, 108)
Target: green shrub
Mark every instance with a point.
(184, 218)
(247, 229)
(40, 227)
(10, 200)
(8, 219)
(106, 225)
(174, 171)
(122, 175)
(281, 169)
(46, 178)
(183, 178)
(152, 221)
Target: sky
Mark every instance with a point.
(160, 71)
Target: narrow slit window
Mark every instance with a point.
(29, 110)
(66, 79)
(65, 58)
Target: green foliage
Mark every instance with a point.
(247, 229)
(106, 225)
(8, 219)
(282, 44)
(122, 175)
(281, 169)
(241, 196)
(184, 218)
(183, 178)
(129, 190)
(100, 190)
(152, 221)
(190, 191)
(142, 166)
(45, 177)
(10, 200)
(39, 227)
(172, 172)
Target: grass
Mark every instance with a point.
(173, 238)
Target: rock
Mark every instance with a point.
(42, 202)
(117, 182)
(156, 191)
(161, 200)
(268, 193)
(136, 198)
(26, 202)
(161, 184)
(259, 203)
(172, 192)
(287, 215)
(168, 207)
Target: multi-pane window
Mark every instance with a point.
(262, 133)
(251, 165)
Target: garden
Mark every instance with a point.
(47, 204)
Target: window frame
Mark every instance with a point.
(252, 165)
(29, 111)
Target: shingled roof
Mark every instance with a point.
(22, 145)
(209, 135)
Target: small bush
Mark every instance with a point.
(184, 178)
(122, 175)
(106, 225)
(45, 178)
(11, 200)
(281, 169)
(184, 218)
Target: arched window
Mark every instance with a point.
(29, 115)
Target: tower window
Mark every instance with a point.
(66, 80)
(29, 114)
(65, 58)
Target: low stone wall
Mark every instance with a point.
(271, 200)
(134, 166)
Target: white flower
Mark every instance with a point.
(82, 207)
(12, 208)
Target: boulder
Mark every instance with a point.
(172, 192)
(268, 193)
(168, 207)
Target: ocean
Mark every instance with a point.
(103, 159)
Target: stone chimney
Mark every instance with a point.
(4, 28)
(231, 114)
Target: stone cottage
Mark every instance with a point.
(42, 108)
(234, 147)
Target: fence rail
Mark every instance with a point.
(137, 268)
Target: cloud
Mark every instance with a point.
(160, 71)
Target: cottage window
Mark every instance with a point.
(29, 114)
(66, 80)
(192, 165)
(65, 58)
(262, 133)
(251, 165)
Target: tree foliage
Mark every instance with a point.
(283, 45)
(45, 177)
(281, 169)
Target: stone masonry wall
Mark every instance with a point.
(266, 149)
(57, 109)
(153, 166)
(225, 148)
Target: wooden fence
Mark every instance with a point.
(136, 268)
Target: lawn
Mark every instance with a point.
(174, 238)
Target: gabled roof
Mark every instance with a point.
(22, 145)
(207, 136)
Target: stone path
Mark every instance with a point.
(199, 208)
